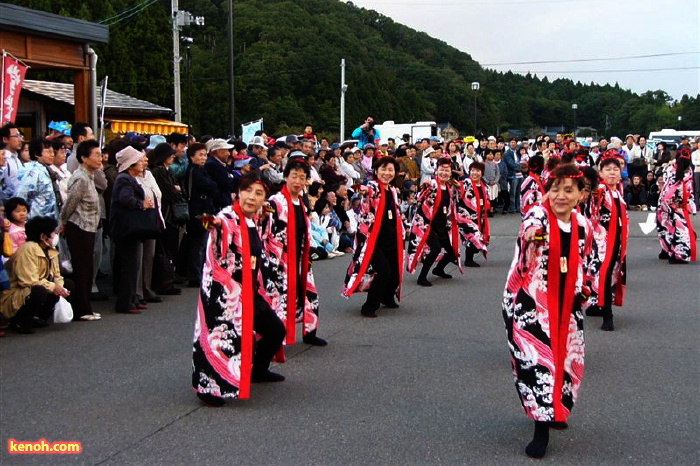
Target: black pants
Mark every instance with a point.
(195, 242)
(504, 196)
(271, 331)
(437, 241)
(39, 303)
(385, 265)
(127, 252)
(81, 244)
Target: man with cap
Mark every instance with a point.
(256, 149)
(216, 167)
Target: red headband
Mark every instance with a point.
(558, 177)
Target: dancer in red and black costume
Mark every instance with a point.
(676, 204)
(475, 203)
(542, 306)
(610, 225)
(289, 280)
(232, 306)
(532, 189)
(435, 229)
(377, 264)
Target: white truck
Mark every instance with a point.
(416, 131)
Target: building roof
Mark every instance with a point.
(115, 101)
(17, 18)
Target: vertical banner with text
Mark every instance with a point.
(13, 72)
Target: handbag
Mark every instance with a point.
(180, 211)
(135, 224)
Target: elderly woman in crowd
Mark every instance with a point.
(127, 196)
(167, 246)
(80, 217)
(148, 246)
(35, 184)
(201, 190)
(36, 281)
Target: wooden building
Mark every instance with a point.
(48, 42)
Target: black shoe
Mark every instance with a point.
(391, 304)
(178, 280)
(663, 255)
(101, 274)
(99, 296)
(491, 214)
(558, 425)
(370, 314)
(422, 281)
(608, 325)
(266, 377)
(505, 212)
(39, 323)
(155, 299)
(142, 302)
(193, 284)
(594, 311)
(313, 340)
(441, 274)
(673, 260)
(471, 263)
(172, 292)
(211, 400)
(22, 330)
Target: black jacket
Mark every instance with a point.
(201, 192)
(224, 180)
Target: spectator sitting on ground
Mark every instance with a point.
(35, 277)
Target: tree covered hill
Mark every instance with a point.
(287, 67)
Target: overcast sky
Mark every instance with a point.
(510, 31)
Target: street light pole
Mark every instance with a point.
(343, 89)
(176, 62)
(574, 107)
(230, 69)
(475, 88)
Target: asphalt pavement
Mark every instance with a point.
(428, 383)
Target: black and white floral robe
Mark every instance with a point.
(545, 327)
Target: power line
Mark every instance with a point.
(128, 12)
(459, 3)
(628, 57)
(606, 71)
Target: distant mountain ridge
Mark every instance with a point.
(287, 67)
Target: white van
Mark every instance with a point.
(417, 130)
(670, 137)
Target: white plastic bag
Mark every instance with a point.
(62, 311)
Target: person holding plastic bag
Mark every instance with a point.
(36, 283)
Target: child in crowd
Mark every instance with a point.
(17, 211)
(491, 177)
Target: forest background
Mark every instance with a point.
(287, 71)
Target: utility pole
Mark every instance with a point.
(176, 62)
(343, 89)
(179, 19)
(230, 69)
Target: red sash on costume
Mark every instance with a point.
(292, 252)
(426, 235)
(691, 230)
(610, 241)
(560, 312)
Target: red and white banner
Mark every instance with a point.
(13, 72)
